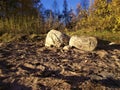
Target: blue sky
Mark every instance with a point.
(48, 4)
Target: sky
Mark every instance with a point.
(48, 4)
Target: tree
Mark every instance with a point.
(2, 8)
(115, 6)
(85, 4)
(91, 3)
(56, 11)
(20, 15)
(65, 12)
(8, 7)
(55, 7)
(17, 7)
(48, 14)
(78, 9)
(105, 15)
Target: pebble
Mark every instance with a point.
(66, 48)
(102, 53)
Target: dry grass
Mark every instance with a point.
(105, 35)
(14, 26)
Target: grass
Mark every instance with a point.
(105, 35)
(12, 29)
(19, 24)
(16, 26)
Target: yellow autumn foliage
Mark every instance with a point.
(103, 15)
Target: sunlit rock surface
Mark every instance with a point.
(56, 38)
(83, 42)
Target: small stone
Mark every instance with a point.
(105, 74)
(102, 53)
(29, 66)
(42, 68)
(117, 63)
(86, 61)
(65, 60)
(66, 48)
(40, 49)
(1, 44)
(0, 71)
(115, 57)
(95, 77)
(112, 43)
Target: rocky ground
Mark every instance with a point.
(31, 66)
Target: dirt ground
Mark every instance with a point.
(30, 66)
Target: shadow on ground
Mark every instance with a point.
(13, 86)
(75, 81)
(108, 82)
(104, 44)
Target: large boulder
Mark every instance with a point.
(56, 38)
(83, 42)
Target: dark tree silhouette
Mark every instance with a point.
(17, 7)
(85, 4)
(65, 12)
(55, 7)
(56, 11)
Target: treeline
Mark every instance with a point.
(19, 16)
(30, 16)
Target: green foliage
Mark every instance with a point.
(19, 25)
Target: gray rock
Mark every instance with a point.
(96, 77)
(101, 53)
(66, 48)
(1, 44)
(56, 38)
(83, 42)
(106, 74)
